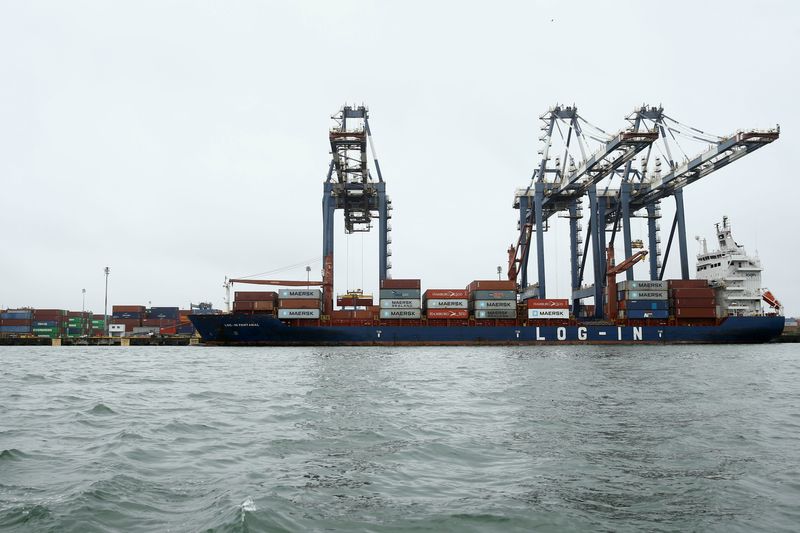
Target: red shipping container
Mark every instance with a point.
(695, 312)
(263, 305)
(128, 309)
(37, 313)
(547, 303)
(692, 293)
(492, 285)
(400, 284)
(455, 314)
(351, 302)
(15, 322)
(46, 316)
(299, 303)
(255, 296)
(687, 283)
(158, 322)
(694, 302)
(446, 294)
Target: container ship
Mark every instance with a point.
(723, 306)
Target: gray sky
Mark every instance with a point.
(180, 142)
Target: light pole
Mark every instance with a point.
(308, 277)
(105, 305)
(499, 271)
(83, 312)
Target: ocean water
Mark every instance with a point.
(674, 438)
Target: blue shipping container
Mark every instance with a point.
(647, 304)
(16, 315)
(127, 315)
(169, 313)
(46, 324)
(15, 329)
(646, 313)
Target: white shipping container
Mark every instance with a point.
(437, 303)
(642, 285)
(298, 313)
(548, 313)
(495, 304)
(315, 294)
(645, 295)
(403, 303)
(401, 313)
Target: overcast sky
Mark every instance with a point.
(182, 142)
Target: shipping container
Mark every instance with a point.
(492, 285)
(127, 315)
(128, 309)
(145, 330)
(692, 293)
(15, 329)
(548, 313)
(299, 303)
(688, 283)
(401, 284)
(253, 296)
(493, 295)
(129, 323)
(637, 314)
(401, 313)
(436, 303)
(75, 332)
(353, 302)
(644, 304)
(298, 313)
(446, 294)
(45, 324)
(694, 302)
(452, 314)
(496, 313)
(642, 285)
(404, 303)
(170, 313)
(263, 305)
(494, 304)
(16, 315)
(547, 303)
(58, 312)
(359, 314)
(184, 329)
(643, 295)
(695, 312)
(402, 294)
(315, 294)
(158, 322)
(15, 322)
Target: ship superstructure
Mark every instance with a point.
(734, 274)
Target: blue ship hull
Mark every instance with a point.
(266, 330)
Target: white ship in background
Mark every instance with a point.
(735, 275)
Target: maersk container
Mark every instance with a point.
(548, 313)
(644, 295)
(401, 313)
(495, 304)
(405, 303)
(298, 313)
(300, 293)
(496, 313)
(401, 294)
(493, 295)
(642, 285)
(446, 304)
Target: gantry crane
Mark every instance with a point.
(561, 186)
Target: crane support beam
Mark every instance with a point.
(625, 199)
(682, 246)
(538, 200)
(652, 234)
(716, 157)
(573, 252)
(616, 152)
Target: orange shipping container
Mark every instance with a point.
(492, 285)
(299, 303)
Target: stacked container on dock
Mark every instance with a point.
(642, 300)
(16, 322)
(98, 326)
(446, 304)
(400, 299)
(255, 301)
(692, 298)
(547, 309)
(493, 299)
(299, 303)
(78, 323)
(49, 322)
(128, 315)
